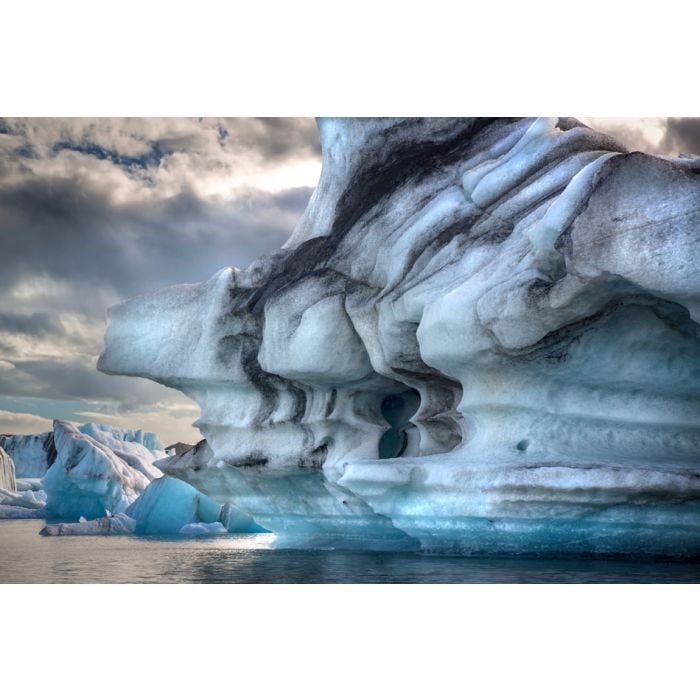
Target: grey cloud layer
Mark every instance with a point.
(682, 136)
(94, 211)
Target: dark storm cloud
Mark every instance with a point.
(94, 211)
(39, 323)
(682, 136)
(72, 232)
(68, 379)
(121, 205)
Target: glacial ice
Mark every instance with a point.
(23, 499)
(199, 529)
(136, 447)
(201, 457)
(7, 472)
(169, 504)
(106, 478)
(118, 524)
(18, 498)
(13, 512)
(82, 477)
(87, 479)
(481, 337)
(32, 454)
(107, 433)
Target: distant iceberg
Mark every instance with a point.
(87, 478)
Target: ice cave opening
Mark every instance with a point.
(402, 437)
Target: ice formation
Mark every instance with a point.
(18, 497)
(82, 476)
(119, 524)
(199, 457)
(108, 480)
(88, 479)
(199, 529)
(138, 449)
(482, 336)
(32, 454)
(7, 472)
(168, 504)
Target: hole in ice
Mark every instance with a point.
(522, 445)
(398, 409)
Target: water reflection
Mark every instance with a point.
(25, 557)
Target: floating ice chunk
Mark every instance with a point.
(14, 503)
(533, 284)
(200, 529)
(198, 456)
(119, 524)
(169, 504)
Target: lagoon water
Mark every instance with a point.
(26, 557)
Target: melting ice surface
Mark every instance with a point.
(26, 557)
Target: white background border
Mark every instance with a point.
(352, 58)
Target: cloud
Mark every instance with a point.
(637, 134)
(12, 423)
(657, 135)
(169, 425)
(39, 323)
(59, 229)
(93, 211)
(682, 136)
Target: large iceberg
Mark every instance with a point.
(482, 336)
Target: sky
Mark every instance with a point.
(94, 211)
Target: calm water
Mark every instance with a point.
(25, 557)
